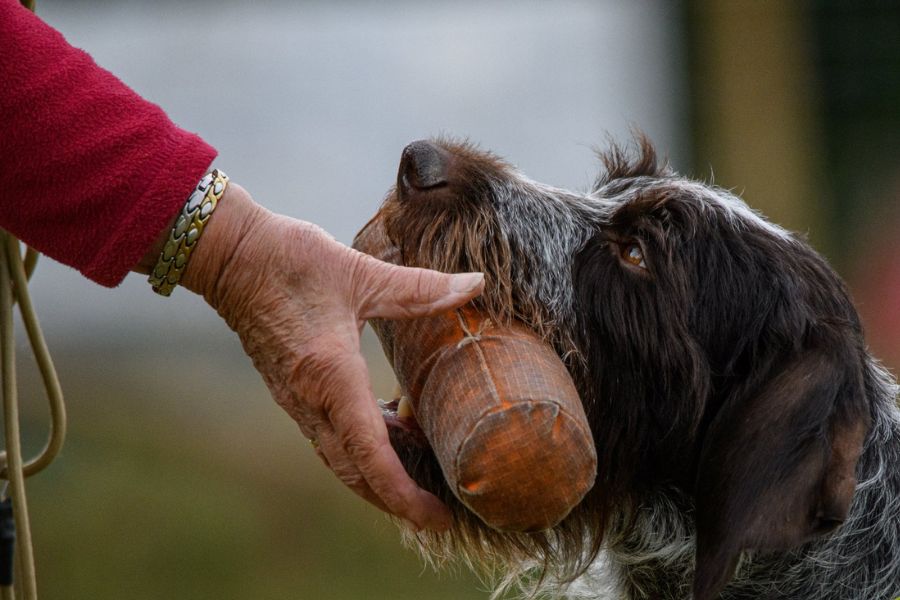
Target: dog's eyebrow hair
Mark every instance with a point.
(737, 211)
(636, 210)
(646, 195)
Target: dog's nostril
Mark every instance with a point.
(423, 165)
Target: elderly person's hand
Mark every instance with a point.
(298, 300)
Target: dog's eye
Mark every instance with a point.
(634, 254)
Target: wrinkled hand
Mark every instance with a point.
(298, 300)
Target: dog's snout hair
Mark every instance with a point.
(493, 219)
(748, 444)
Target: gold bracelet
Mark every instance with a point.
(187, 230)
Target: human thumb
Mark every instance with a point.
(395, 292)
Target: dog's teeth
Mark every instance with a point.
(404, 408)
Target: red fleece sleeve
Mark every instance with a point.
(90, 172)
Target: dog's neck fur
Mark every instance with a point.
(859, 561)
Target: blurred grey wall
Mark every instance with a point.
(310, 104)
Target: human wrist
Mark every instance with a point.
(151, 258)
(235, 217)
(188, 227)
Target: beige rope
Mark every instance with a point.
(14, 272)
(19, 273)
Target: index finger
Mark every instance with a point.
(350, 407)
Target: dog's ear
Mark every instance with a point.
(777, 465)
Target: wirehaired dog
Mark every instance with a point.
(748, 444)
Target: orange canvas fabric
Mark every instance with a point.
(501, 414)
(498, 408)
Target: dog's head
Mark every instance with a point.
(715, 353)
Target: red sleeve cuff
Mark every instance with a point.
(90, 172)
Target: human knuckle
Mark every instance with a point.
(355, 481)
(424, 283)
(419, 290)
(366, 277)
(361, 445)
(348, 475)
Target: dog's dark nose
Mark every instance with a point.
(423, 166)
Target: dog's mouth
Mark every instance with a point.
(429, 220)
(403, 428)
(399, 417)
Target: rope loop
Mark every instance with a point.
(15, 271)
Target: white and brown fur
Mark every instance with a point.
(748, 444)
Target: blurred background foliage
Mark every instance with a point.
(180, 478)
(797, 106)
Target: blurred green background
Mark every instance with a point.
(180, 477)
(191, 484)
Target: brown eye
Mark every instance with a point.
(634, 254)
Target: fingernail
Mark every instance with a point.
(465, 282)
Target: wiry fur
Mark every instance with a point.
(727, 386)
(486, 229)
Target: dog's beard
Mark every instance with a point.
(469, 234)
(546, 560)
(454, 239)
(469, 238)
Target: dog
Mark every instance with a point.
(748, 445)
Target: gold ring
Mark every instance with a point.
(314, 442)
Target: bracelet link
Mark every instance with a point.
(188, 228)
